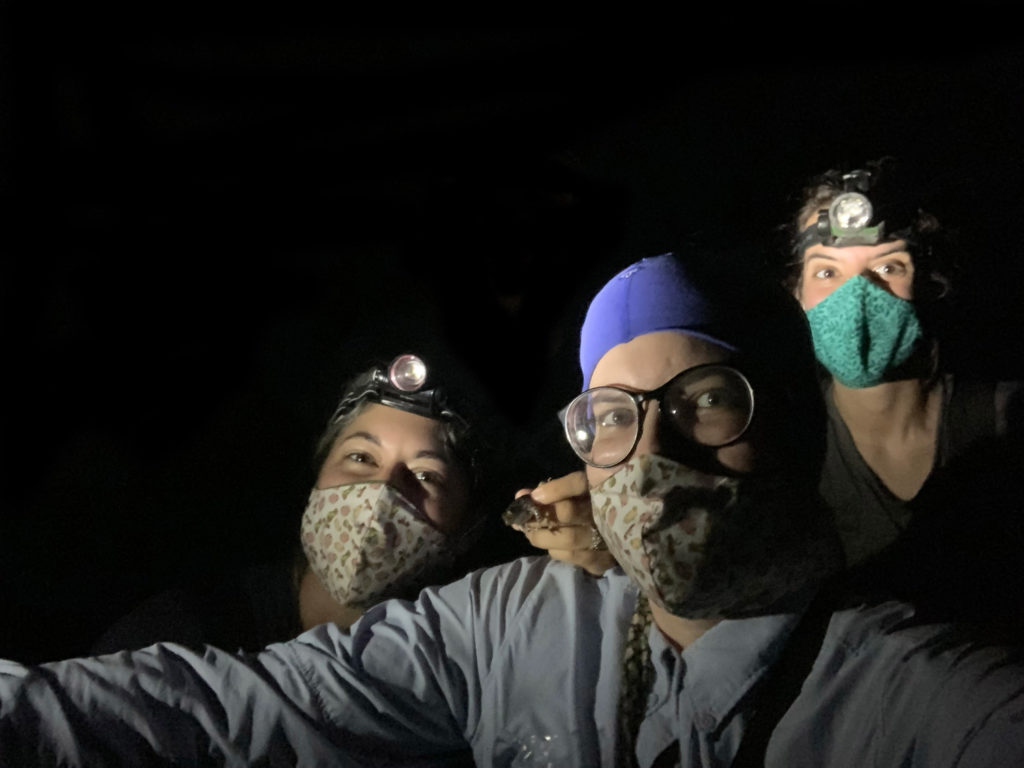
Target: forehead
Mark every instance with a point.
(648, 361)
(858, 253)
(396, 428)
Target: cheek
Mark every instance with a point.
(744, 456)
(813, 292)
(446, 509)
(740, 457)
(332, 476)
(434, 509)
(903, 288)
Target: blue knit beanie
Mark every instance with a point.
(654, 294)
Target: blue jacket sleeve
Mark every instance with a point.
(403, 688)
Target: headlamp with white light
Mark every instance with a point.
(848, 220)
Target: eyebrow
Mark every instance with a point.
(903, 249)
(365, 436)
(884, 254)
(426, 453)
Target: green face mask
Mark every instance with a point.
(861, 332)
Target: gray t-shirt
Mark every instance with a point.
(869, 517)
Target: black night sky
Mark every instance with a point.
(204, 234)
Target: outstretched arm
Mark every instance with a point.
(399, 687)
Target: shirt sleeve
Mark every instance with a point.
(403, 688)
(974, 716)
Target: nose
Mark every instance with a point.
(401, 477)
(873, 277)
(661, 438)
(651, 431)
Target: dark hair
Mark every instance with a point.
(449, 410)
(901, 200)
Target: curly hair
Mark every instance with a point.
(900, 201)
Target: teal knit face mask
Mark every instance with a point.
(861, 332)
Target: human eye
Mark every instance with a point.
(715, 398)
(616, 417)
(825, 273)
(430, 477)
(891, 269)
(710, 399)
(359, 460)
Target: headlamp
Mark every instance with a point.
(402, 385)
(847, 221)
(407, 373)
(849, 213)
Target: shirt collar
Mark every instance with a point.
(722, 666)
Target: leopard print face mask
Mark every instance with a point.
(706, 546)
(366, 542)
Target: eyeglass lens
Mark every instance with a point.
(709, 405)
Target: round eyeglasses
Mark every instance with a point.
(710, 405)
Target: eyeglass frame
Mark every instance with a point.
(639, 398)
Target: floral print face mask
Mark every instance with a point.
(366, 542)
(706, 546)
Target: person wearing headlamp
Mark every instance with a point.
(390, 513)
(717, 642)
(872, 271)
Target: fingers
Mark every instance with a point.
(565, 487)
(564, 501)
(564, 538)
(572, 512)
(561, 522)
(555, 503)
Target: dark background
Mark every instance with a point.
(204, 234)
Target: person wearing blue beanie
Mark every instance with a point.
(717, 639)
(740, 312)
